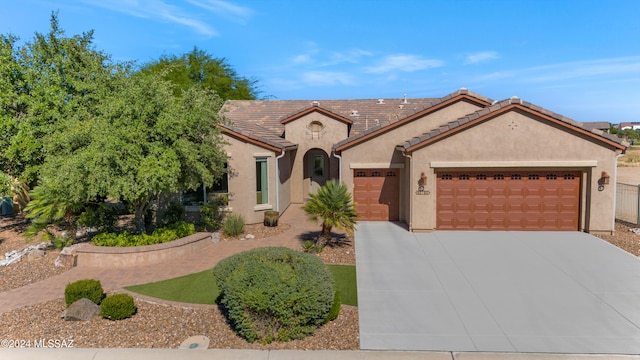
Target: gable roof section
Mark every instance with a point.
(431, 107)
(315, 107)
(272, 143)
(503, 107)
(263, 120)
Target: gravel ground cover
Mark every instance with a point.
(157, 324)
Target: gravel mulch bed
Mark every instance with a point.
(623, 238)
(157, 324)
(28, 269)
(163, 326)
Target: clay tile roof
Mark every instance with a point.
(505, 103)
(262, 119)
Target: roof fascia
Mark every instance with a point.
(412, 117)
(312, 109)
(504, 110)
(255, 141)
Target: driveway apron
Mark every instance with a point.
(501, 291)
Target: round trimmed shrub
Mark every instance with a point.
(274, 293)
(88, 288)
(117, 307)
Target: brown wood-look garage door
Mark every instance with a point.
(376, 193)
(523, 200)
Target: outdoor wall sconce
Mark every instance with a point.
(604, 180)
(422, 182)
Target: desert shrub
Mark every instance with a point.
(88, 288)
(233, 225)
(308, 246)
(174, 213)
(335, 308)
(274, 293)
(210, 216)
(117, 307)
(159, 236)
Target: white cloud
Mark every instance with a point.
(405, 63)
(481, 56)
(321, 58)
(225, 9)
(350, 56)
(157, 10)
(326, 78)
(601, 69)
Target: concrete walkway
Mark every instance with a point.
(545, 292)
(117, 278)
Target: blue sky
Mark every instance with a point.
(578, 58)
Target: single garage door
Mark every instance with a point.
(376, 193)
(523, 200)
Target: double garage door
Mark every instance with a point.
(523, 200)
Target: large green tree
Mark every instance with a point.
(142, 142)
(198, 68)
(85, 128)
(44, 84)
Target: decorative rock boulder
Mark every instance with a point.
(66, 258)
(81, 310)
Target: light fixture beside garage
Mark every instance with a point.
(604, 180)
(421, 184)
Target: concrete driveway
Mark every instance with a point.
(558, 292)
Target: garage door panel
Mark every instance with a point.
(525, 200)
(376, 194)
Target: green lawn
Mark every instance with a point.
(200, 288)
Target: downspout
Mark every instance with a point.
(404, 153)
(339, 167)
(615, 191)
(278, 180)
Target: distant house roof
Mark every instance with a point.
(502, 107)
(600, 125)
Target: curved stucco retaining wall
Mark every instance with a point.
(90, 255)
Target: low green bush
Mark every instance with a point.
(233, 225)
(117, 307)
(162, 235)
(88, 288)
(274, 293)
(335, 308)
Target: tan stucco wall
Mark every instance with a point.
(524, 140)
(242, 179)
(284, 167)
(298, 132)
(381, 149)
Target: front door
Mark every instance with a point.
(318, 170)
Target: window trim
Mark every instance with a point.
(262, 181)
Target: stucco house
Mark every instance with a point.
(460, 162)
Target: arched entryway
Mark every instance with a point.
(316, 170)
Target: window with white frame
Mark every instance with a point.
(262, 184)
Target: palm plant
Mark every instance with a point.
(48, 207)
(333, 204)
